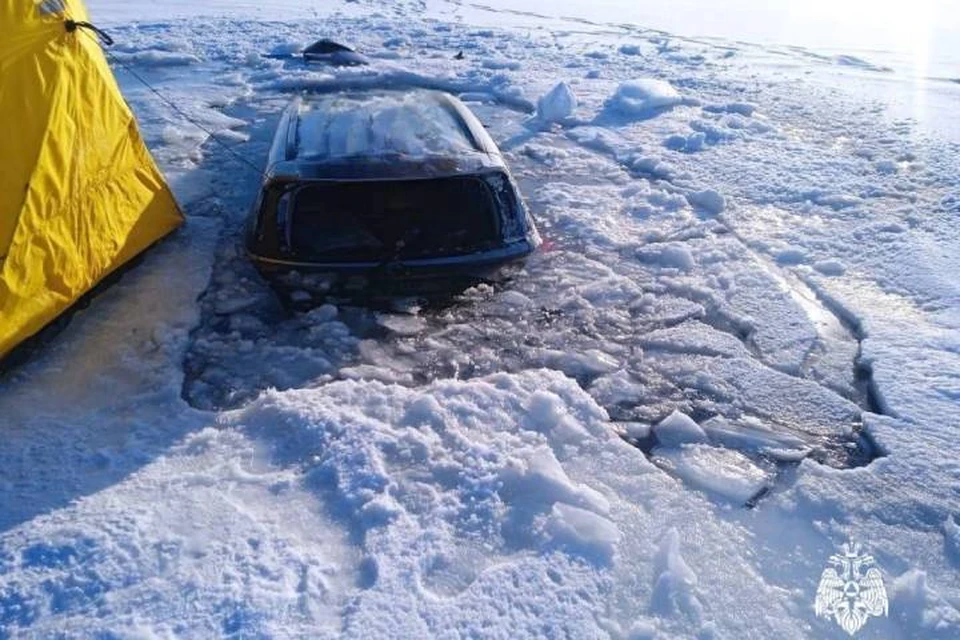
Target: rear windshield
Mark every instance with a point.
(389, 220)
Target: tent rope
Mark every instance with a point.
(107, 40)
(73, 25)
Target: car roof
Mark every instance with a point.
(380, 134)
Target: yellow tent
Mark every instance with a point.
(79, 193)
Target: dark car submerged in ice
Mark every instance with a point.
(385, 191)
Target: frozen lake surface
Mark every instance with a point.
(921, 35)
(915, 42)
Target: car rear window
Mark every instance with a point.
(389, 220)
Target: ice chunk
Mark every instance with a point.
(591, 362)
(650, 165)
(740, 108)
(838, 201)
(921, 605)
(548, 415)
(402, 325)
(539, 479)
(672, 255)
(643, 97)
(951, 538)
(582, 532)
(478, 96)
(514, 299)
(755, 437)
(674, 581)
(374, 372)
(853, 61)
(323, 313)
(157, 58)
(557, 104)
(675, 142)
(668, 559)
(500, 63)
(690, 143)
(830, 267)
(616, 388)
(678, 428)
(743, 108)
(791, 255)
(722, 471)
(696, 141)
(287, 48)
(636, 430)
(885, 166)
(709, 200)
(642, 630)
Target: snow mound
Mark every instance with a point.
(485, 457)
(644, 97)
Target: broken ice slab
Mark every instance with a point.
(751, 435)
(727, 473)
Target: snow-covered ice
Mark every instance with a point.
(737, 349)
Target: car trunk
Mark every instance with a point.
(379, 221)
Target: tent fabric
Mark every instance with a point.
(79, 192)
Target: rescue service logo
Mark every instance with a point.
(851, 589)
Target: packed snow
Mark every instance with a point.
(736, 350)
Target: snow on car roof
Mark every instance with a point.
(389, 123)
